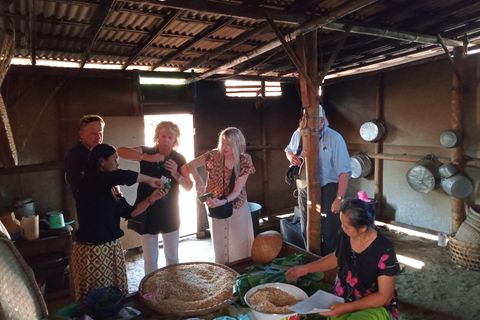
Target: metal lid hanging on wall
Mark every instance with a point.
(372, 131)
(451, 138)
(424, 175)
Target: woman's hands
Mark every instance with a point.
(200, 187)
(337, 309)
(215, 202)
(158, 194)
(171, 166)
(154, 182)
(296, 272)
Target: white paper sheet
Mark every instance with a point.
(319, 302)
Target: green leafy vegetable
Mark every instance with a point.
(275, 272)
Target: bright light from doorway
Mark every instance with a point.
(188, 205)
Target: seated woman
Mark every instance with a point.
(367, 266)
(97, 256)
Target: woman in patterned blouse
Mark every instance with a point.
(232, 237)
(366, 264)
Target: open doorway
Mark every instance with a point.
(188, 208)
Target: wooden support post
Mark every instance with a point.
(378, 174)
(458, 207)
(264, 122)
(307, 51)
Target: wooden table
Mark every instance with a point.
(133, 300)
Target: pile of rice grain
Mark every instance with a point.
(190, 287)
(272, 300)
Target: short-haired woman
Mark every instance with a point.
(164, 216)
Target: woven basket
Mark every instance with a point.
(210, 309)
(465, 254)
(467, 233)
(266, 246)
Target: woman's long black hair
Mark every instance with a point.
(359, 212)
(98, 152)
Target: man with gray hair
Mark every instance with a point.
(334, 174)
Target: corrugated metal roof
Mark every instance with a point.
(196, 34)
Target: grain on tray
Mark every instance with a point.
(190, 287)
(272, 300)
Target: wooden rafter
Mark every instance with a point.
(333, 56)
(201, 36)
(230, 10)
(275, 53)
(153, 35)
(301, 68)
(32, 32)
(102, 17)
(228, 46)
(308, 26)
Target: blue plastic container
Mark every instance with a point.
(104, 302)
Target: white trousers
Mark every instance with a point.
(150, 249)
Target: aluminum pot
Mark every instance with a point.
(457, 186)
(423, 176)
(451, 138)
(372, 130)
(447, 170)
(361, 165)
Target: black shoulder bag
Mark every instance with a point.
(225, 211)
(294, 172)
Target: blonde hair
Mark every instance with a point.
(170, 126)
(237, 142)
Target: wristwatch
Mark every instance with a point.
(341, 198)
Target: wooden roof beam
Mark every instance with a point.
(224, 48)
(103, 15)
(153, 35)
(308, 26)
(230, 10)
(32, 32)
(201, 36)
(274, 54)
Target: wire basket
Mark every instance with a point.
(465, 254)
(104, 302)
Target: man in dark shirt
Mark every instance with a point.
(90, 129)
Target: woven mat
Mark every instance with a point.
(203, 311)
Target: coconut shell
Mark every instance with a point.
(266, 246)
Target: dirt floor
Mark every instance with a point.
(439, 290)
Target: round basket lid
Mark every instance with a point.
(266, 246)
(188, 289)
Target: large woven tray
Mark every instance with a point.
(212, 308)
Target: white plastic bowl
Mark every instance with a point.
(298, 293)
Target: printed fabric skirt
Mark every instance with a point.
(232, 238)
(98, 266)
